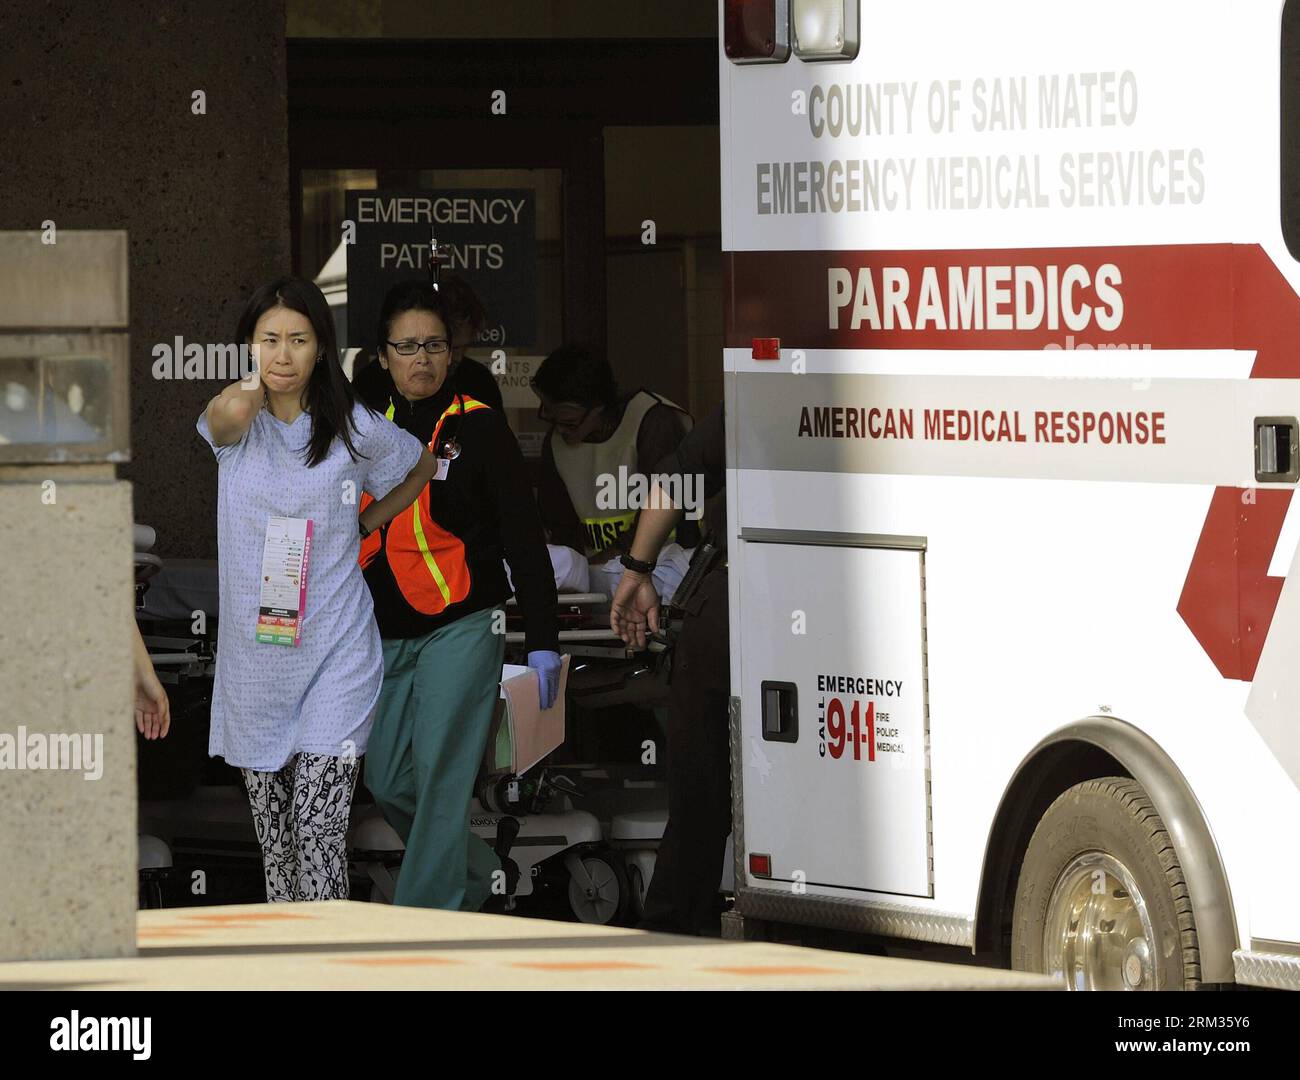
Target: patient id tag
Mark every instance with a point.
(283, 600)
(444, 464)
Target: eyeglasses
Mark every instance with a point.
(434, 347)
(563, 425)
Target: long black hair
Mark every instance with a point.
(328, 397)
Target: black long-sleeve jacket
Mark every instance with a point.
(703, 453)
(487, 502)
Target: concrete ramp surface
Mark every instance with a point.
(348, 945)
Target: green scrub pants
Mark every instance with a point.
(430, 731)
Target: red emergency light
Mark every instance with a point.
(756, 31)
(765, 348)
(760, 865)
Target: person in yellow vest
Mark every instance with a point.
(438, 582)
(599, 439)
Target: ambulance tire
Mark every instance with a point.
(1093, 833)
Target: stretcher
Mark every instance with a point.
(584, 626)
(605, 671)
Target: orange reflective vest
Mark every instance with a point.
(427, 561)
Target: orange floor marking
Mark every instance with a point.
(586, 965)
(778, 970)
(393, 961)
(231, 920)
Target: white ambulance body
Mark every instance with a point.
(1015, 635)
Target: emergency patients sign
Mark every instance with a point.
(486, 235)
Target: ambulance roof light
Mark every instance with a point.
(826, 29)
(756, 31)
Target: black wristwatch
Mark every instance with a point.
(361, 526)
(637, 566)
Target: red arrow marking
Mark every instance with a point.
(1192, 296)
(1228, 598)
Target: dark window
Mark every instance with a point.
(1291, 126)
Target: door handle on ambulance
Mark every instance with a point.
(780, 708)
(1277, 449)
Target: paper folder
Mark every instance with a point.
(522, 732)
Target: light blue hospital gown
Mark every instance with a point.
(273, 701)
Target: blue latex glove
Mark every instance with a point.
(547, 666)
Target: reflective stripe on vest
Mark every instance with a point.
(428, 562)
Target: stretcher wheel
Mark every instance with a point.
(602, 898)
(635, 891)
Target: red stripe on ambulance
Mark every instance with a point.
(1185, 296)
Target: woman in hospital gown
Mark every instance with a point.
(295, 717)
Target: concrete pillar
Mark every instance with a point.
(67, 742)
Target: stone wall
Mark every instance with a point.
(100, 132)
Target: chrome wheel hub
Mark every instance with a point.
(1098, 934)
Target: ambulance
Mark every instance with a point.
(1012, 351)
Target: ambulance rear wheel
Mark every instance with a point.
(1101, 902)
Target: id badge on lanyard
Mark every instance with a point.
(283, 601)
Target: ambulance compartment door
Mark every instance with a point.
(834, 719)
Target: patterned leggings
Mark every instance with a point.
(301, 817)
